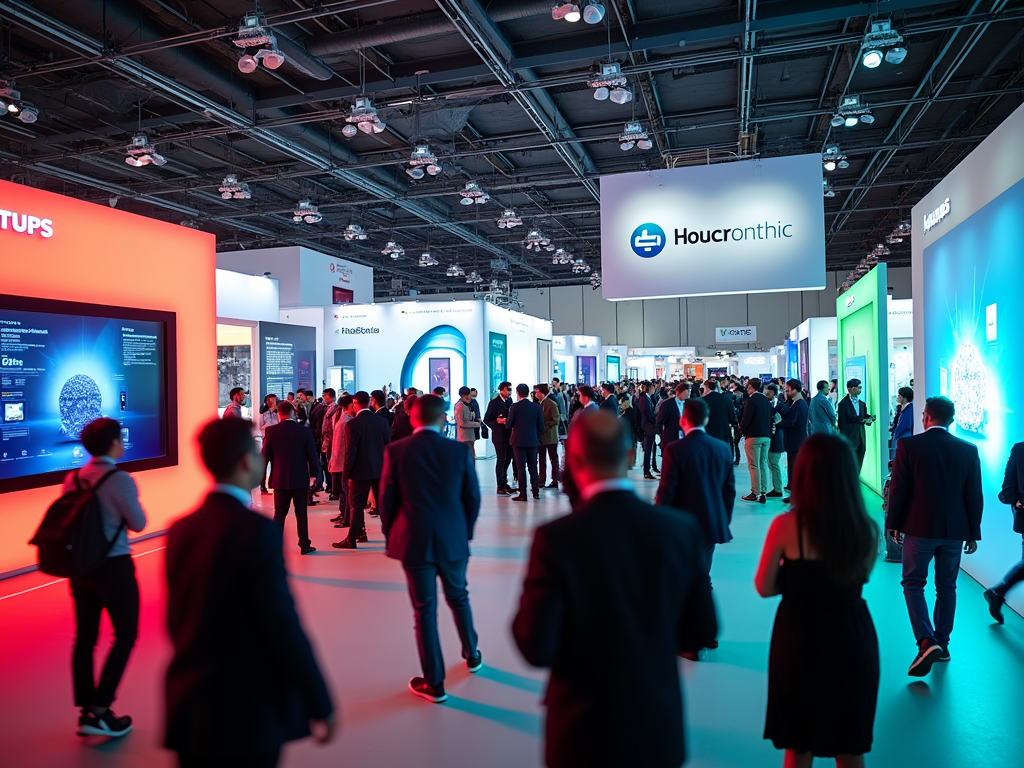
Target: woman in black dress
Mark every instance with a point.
(823, 666)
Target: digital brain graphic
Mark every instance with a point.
(80, 403)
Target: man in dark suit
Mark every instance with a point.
(636, 599)
(379, 405)
(495, 418)
(1012, 493)
(721, 412)
(935, 501)
(365, 437)
(608, 400)
(794, 425)
(853, 417)
(548, 451)
(290, 450)
(698, 477)
(526, 423)
(243, 679)
(648, 426)
(429, 503)
(670, 411)
(316, 423)
(756, 428)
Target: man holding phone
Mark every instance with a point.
(853, 417)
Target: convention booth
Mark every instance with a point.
(668, 363)
(814, 344)
(968, 309)
(615, 361)
(103, 313)
(863, 352)
(579, 359)
(448, 344)
(754, 365)
(901, 348)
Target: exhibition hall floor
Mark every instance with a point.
(354, 605)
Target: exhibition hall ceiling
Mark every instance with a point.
(496, 101)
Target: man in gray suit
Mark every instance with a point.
(821, 415)
(467, 422)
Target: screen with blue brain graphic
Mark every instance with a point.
(59, 371)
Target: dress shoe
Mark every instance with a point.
(306, 550)
(786, 488)
(995, 605)
(342, 524)
(504, 492)
(373, 512)
(344, 544)
(361, 538)
(749, 497)
(336, 519)
(264, 491)
(520, 497)
(774, 495)
(332, 497)
(312, 502)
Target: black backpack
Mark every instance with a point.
(70, 540)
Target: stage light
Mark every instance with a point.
(836, 121)
(247, 63)
(231, 188)
(272, 58)
(851, 121)
(867, 118)
(871, 58)
(393, 249)
(473, 194)
(621, 95)
(305, 211)
(349, 131)
(606, 78)
(830, 165)
(363, 116)
(601, 93)
(843, 164)
(141, 152)
(28, 114)
(12, 107)
(896, 55)
(354, 232)
(594, 12)
(434, 169)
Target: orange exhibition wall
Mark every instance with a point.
(100, 255)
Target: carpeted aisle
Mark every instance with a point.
(355, 606)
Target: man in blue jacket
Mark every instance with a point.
(429, 502)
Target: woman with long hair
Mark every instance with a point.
(823, 665)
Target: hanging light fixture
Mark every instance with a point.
(455, 271)
(141, 152)
(568, 11)
(422, 160)
(851, 111)
(354, 232)
(595, 280)
(833, 158)
(882, 35)
(362, 116)
(473, 194)
(231, 188)
(509, 219)
(306, 212)
(633, 134)
(427, 260)
(253, 33)
(393, 250)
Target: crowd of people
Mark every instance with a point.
(244, 679)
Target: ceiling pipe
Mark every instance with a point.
(422, 25)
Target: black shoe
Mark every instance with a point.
(342, 524)
(785, 500)
(943, 655)
(108, 724)
(928, 655)
(312, 502)
(476, 663)
(435, 693)
(712, 645)
(553, 484)
(344, 544)
(336, 519)
(654, 469)
(786, 488)
(649, 476)
(332, 497)
(774, 495)
(995, 605)
(520, 497)
(504, 491)
(761, 499)
(362, 538)
(736, 463)
(536, 496)
(749, 497)
(372, 513)
(513, 489)
(306, 550)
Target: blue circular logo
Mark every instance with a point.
(647, 241)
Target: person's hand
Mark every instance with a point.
(970, 547)
(1020, 504)
(324, 730)
(894, 537)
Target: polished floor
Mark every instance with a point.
(354, 604)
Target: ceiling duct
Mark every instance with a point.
(419, 26)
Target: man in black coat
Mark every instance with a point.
(697, 476)
(243, 679)
(853, 417)
(670, 411)
(496, 419)
(635, 600)
(608, 399)
(379, 405)
(316, 423)
(429, 503)
(721, 412)
(1012, 493)
(935, 501)
(648, 427)
(289, 449)
(365, 437)
(756, 428)
(526, 425)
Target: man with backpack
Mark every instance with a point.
(112, 585)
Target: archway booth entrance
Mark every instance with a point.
(447, 344)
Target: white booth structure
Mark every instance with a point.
(815, 346)
(579, 360)
(968, 331)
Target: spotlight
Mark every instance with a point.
(393, 249)
(594, 12)
(601, 93)
(231, 188)
(851, 121)
(423, 160)
(867, 118)
(605, 77)
(836, 121)
(509, 219)
(433, 169)
(621, 95)
(141, 152)
(633, 134)
(851, 111)
(247, 63)
(29, 114)
(871, 58)
(272, 58)
(363, 116)
(843, 163)
(349, 131)
(415, 172)
(830, 165)
(626, 146)
(896, 55)
(473, 194)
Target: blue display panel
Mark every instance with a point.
(63, 365)
(974, 320)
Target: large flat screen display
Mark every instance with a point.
(65, 364)
(746, 227)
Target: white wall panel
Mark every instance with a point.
(770, 312)
(567, 309)
(661, 323)
(599, 316)
(630, 323)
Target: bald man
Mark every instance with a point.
(636, 600)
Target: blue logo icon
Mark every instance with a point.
(647, 241)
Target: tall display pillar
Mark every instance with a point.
(863, 343)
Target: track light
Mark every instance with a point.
(141, 152)
(305, 211)
(594, 12)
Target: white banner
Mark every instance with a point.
(754, 226)
(738, 334)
